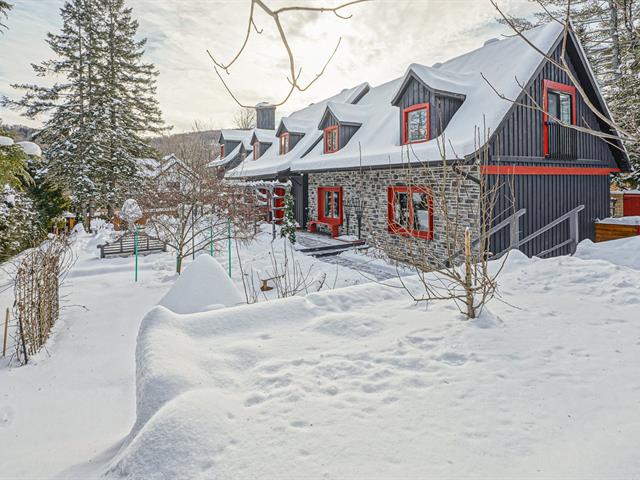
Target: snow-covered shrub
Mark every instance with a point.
(130, 212)
(19, 224)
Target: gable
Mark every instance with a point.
(520, 134)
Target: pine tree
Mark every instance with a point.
(127, 96)
(68, 133)
(103, 106)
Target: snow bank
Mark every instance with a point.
(204, 285)
(363, 380)
(624, 252)
(621, 220)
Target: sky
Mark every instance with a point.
(377, 44)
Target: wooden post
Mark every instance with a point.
(6, 331)
(514, 232)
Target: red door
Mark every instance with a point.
(631, 205)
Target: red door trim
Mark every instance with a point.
(537, 170)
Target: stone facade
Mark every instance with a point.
(372, 187)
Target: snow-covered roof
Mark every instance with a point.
(303, 121)
(220, 162)
(505, 64)
(148, 167)
(348, 113)
(263, 135)
(243, 136)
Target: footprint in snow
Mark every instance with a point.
(452, 358)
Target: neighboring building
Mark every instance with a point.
(384, 145)
(238, 145)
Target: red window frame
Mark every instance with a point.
(405, 122)
(284, 143)
(396, 229)
(327, 131)
(322, 207)
(549, 85)
(256, 150)
(222, 151)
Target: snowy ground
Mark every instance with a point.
(77, 399)
(357, 382)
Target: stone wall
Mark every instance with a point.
(371, 186)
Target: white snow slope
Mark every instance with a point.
(361, 382)
(75, 401)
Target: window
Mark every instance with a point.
(284, 143)
(256, 150)
(222, 151)
(330, 205)
(559, 104)
(410, 211)
(331, 139)
(415, 123)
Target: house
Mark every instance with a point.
(383, 146)
(237, 145)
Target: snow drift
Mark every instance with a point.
(361, 382)
(204, 285)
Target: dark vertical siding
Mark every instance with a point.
(229, 146)
(264, 146)
(520, 134)
(294, 138)
(442, 108)
(345, 132)
(266, 118)
(300, 198)
(547, 197)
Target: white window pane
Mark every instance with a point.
(421, 211)
(417, 125)
(565, 108)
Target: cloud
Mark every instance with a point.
(378, 43)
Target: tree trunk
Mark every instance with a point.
(179, 263)
(615, 39)
(468, 279)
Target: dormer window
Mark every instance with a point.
(331, 139)
(415, 123)
(221, 151)
(256, 150)
(284, 143)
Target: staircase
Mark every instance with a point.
(515, 242)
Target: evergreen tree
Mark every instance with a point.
(289, 224)
(71, 151)
(103, 106)
(127, 96)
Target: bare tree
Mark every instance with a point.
(191, 209)
(245, 119)
(630, 136)
(294, 76)
(455, 265)
(198, 145)
(4, 8)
